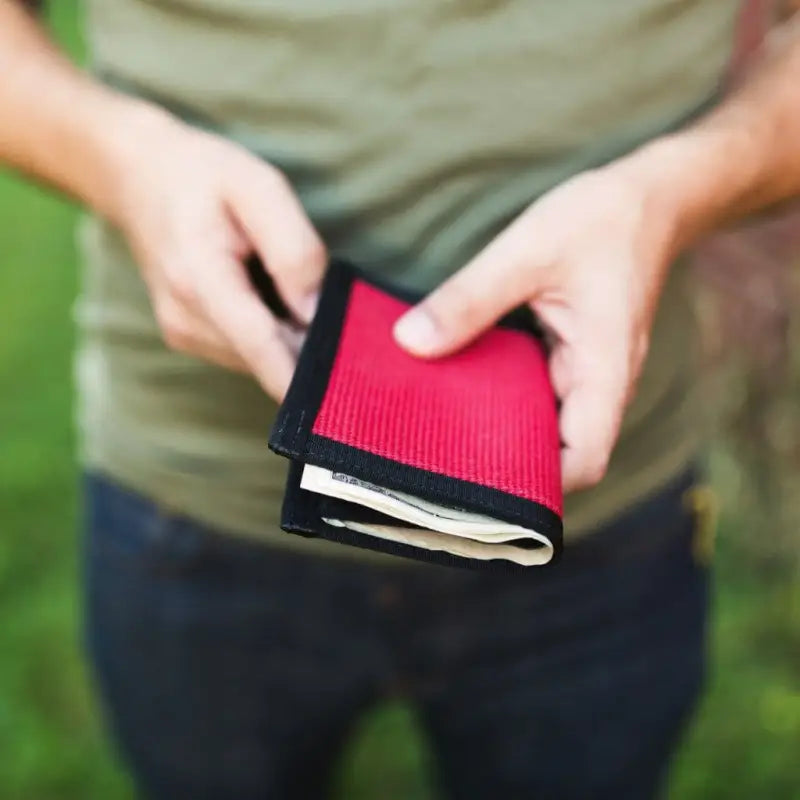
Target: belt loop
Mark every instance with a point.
(704, 505)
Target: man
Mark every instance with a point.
(493, 154)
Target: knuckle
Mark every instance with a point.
(176, 337)
(455, 308)
(175, 334)
(184, 292)
(164, 311)
(308, 257)
(178, 280)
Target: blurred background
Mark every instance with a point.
(746, 740)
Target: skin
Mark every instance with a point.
(784, 9)
(590, 257)
(191, 205)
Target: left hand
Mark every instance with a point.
(589, 258)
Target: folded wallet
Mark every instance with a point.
(452, 461)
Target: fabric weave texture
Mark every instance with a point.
(486, 414)
(476, 431)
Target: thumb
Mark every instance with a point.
(494, 282)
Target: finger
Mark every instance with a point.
(494, 282)
(215, 352)
(187, 333)
(263, 203)
(293, 338)
(589, 419)
(236, 311)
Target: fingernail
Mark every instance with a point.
(307, 306)
(417, 332)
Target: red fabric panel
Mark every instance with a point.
(485, 415)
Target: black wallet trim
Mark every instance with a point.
(292, 435)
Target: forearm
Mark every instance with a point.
(742, 158)
(56, 124)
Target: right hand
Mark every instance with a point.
(193, 207)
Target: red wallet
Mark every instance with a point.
(453, 461)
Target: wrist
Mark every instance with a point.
(663, 171)
(125, 132)
(694, 181)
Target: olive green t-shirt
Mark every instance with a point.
(413, 132)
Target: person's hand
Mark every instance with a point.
(589, 258)
(193, 207)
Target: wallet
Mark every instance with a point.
(453, 461)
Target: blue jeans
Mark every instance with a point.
(232, 670)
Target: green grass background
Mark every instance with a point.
(745, 743)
